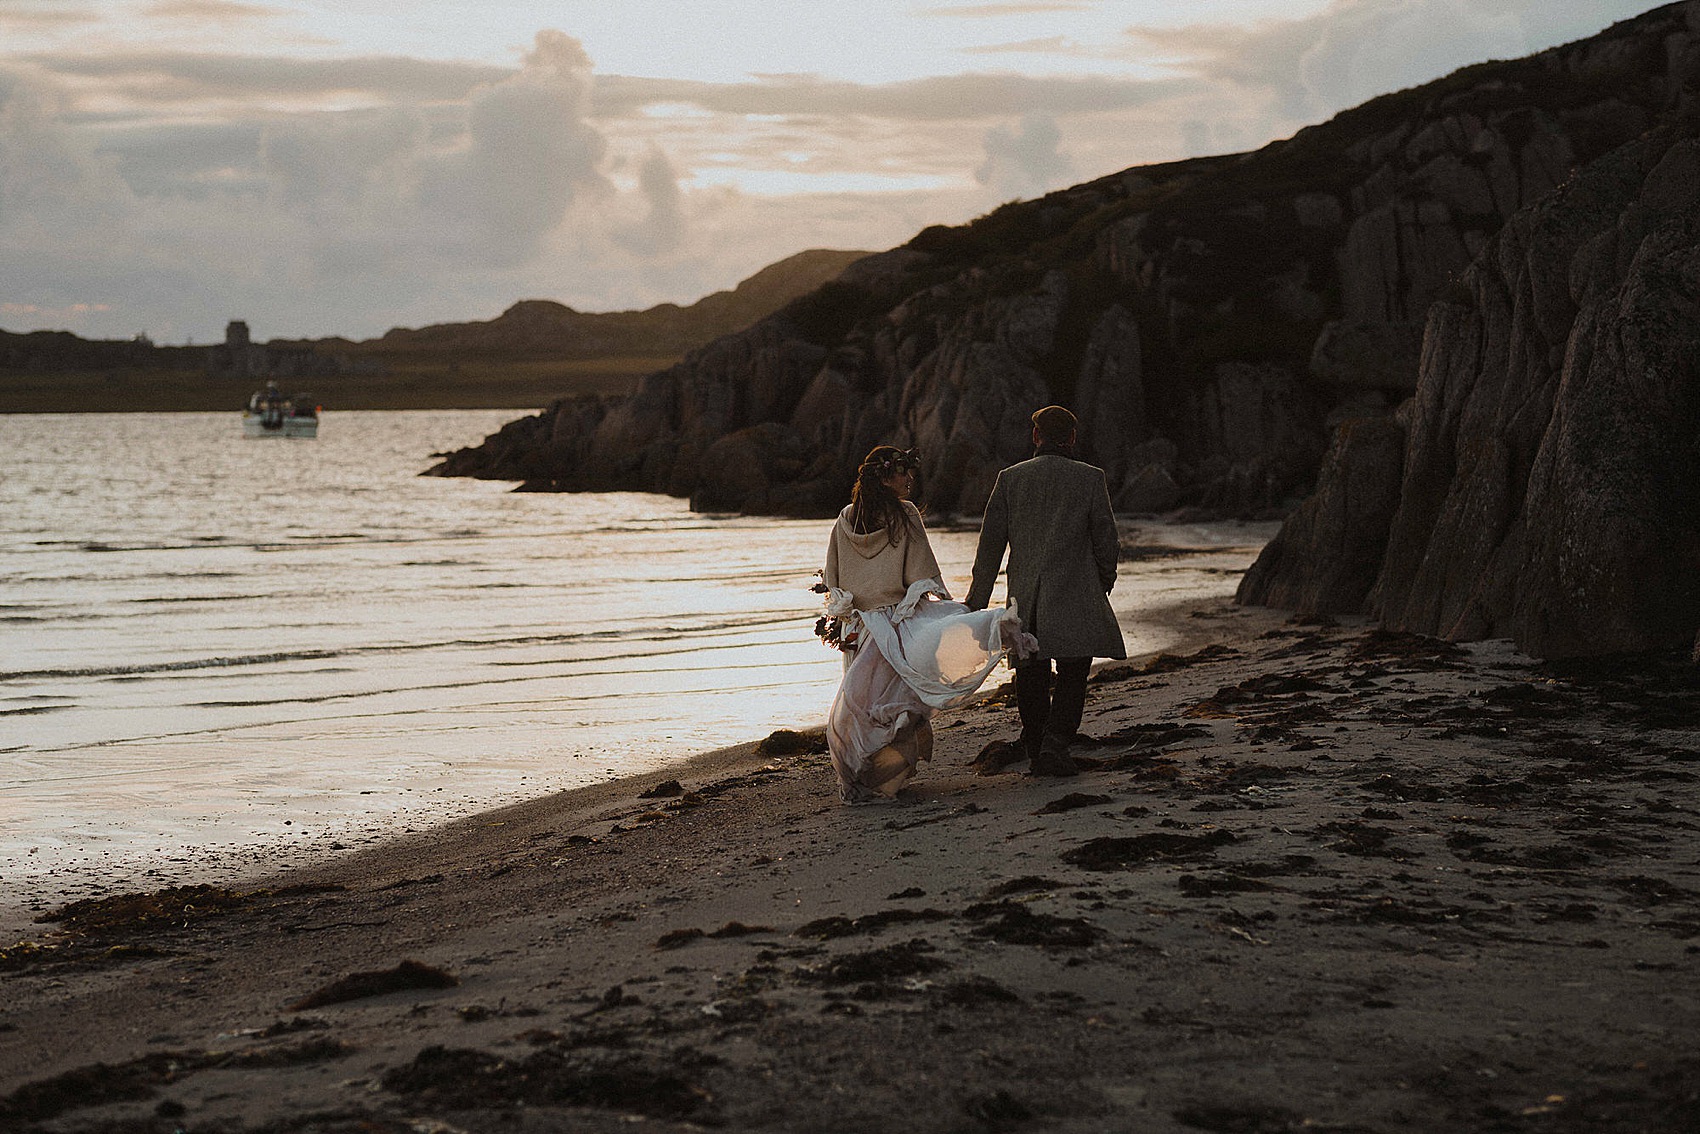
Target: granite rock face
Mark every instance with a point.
(1209, 320)
(1380, 356)
(1326, 556)
(1550, 490)
(1550, 487)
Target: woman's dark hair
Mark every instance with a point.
(873, 506)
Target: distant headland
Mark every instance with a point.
(531, 354)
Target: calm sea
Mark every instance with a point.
(217, 652)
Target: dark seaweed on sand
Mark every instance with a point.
(1012, 923)
(892, 962)
(826, 928)
(1127, 853)
(357, 986)
(1073, 801)
(466, 1079)
(99, 1084)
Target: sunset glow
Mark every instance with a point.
(336, 168)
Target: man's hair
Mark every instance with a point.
(1055, 424)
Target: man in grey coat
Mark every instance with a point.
(1053, 513)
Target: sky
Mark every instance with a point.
(339, 167)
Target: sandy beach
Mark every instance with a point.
(1316, 877)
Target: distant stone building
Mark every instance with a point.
(240, 356)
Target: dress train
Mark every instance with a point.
(924, 653)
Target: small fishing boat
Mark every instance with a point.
(272, 413)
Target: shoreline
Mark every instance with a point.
(1319, 876)
(256, 866)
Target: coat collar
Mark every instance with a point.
(1047, 449)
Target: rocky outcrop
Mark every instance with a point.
(1210, 320)
(1549, 492)
(1326, 556)
(1553, 445)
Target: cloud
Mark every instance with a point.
(1353, 50)
(170, 191)
(184, 159)
(213, 11)
(356, 212)
(310, 222)
(528, 153)
(336, 168)
(1012, 8)
(1024, 162)
(158, 80)
(67, 220)
(662, 229)
(35, 19)
(164, 79)
(963, 97)
(1051, 45)
(38, 167)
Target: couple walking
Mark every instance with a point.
(910, 650)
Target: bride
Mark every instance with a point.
(908, 649)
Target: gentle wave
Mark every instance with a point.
(168, 667)
(225, 731)
(293, 543)
(362, 694)
(628, 634)
(155, 600)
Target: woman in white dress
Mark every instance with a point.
(909, 649)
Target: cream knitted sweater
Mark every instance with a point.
(874, 571)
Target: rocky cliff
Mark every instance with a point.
(1543, 484)
(1209, 320)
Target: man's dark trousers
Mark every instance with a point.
(1047, 709)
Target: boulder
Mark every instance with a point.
(739, 471)
(1326, 556)
(1150, 488)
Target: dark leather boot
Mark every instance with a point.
(1030, 743)
(1052, 759)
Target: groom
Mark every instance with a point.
(1053, 513)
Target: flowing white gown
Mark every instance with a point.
(924, 653)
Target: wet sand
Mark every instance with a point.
(1317, 878)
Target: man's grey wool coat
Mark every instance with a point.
(1053, 513)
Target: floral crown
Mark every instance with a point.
(895, 461)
